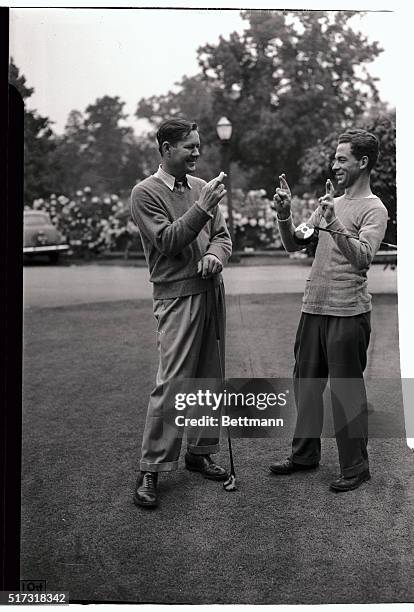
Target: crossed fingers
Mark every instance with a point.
(218, 181)
(283, 183)
(282, 193)
(327, 199)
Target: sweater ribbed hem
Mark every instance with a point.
(182, 288)
(322, 309)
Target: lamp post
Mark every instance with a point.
(224, 130)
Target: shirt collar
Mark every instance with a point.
(168, 179)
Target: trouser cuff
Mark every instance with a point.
(203, 450)
(354, 470)
(166, 466)
(304, 461)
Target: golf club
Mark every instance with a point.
(230, 483)
(305, 233)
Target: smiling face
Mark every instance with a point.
(346, 167)
(180, 159)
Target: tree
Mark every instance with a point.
(106, 143)
(142, 159)
(285, 82)
(19, 81)
(39, 145)
(297, 74)
(193, 99)
(69, 155)
(98, 151)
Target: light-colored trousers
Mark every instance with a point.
(187, 347)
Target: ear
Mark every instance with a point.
(165, 147)
(363, 162)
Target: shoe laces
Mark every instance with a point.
(149, 479)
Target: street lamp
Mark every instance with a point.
(224, 130)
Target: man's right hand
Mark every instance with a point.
(282, 198)
(212, 193)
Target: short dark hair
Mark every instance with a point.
(174, 130)
(362, 143)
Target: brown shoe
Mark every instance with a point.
(145, 493)
(205, 465)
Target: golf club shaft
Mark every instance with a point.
(325, 229)
(217, 329)
(232, 472)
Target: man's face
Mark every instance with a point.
(184, 154)
(346, 167)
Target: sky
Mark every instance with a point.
(73, 56)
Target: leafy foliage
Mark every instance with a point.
(98, 149)
(284, 83)
(91, 224)
(106, 142)
(298, 74)
(40, 173)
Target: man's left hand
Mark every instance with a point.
(326, 203)
(209, 265)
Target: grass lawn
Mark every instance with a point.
(88, 371)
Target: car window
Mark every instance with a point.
(36, 219)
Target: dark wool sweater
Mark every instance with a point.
(176, 233)
(338, 283)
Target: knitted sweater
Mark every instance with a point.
(337, 284)
(176, 233)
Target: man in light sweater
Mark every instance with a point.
(186, 244)
(334, 329)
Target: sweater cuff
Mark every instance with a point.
(289, 218)
(217, 251)
(196, 217)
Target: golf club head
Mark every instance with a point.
(230, 484)
(304, 234)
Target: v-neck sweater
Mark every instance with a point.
(176, 233)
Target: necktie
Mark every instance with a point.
(180, 185)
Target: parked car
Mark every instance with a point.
(41, 237)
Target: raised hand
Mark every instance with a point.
(212, 192)
(326, 202)
(282, 198)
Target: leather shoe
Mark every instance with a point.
(145, 493)
(348, 484)
(206, 466)
(288, 467)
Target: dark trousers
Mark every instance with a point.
(334, 347)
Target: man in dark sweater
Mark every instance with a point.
(334, 329)
(186, 244)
